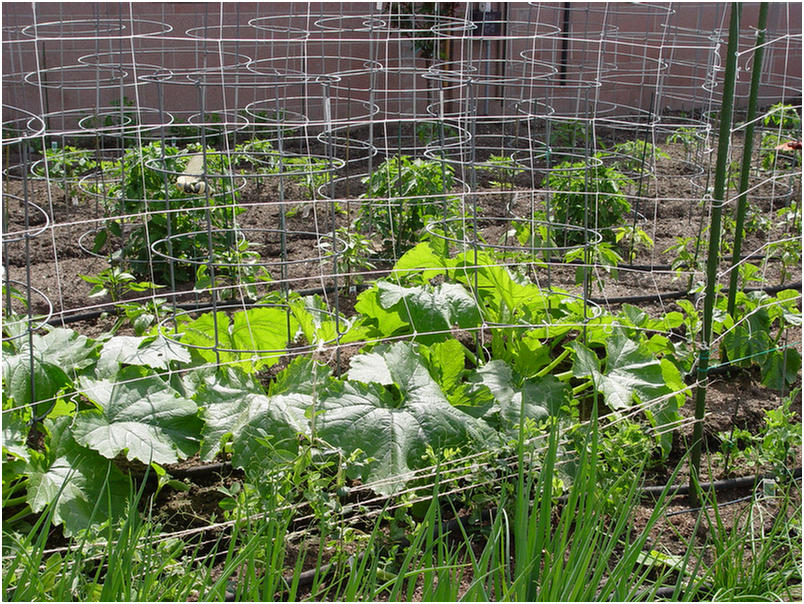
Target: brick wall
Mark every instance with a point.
(70, 60)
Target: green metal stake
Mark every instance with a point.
(748, 148)
(726, 109)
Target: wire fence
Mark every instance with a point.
(215, 159)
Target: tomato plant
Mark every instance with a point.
(589, 196)
(402, 195)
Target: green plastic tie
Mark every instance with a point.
(750, 356)
(703, 355)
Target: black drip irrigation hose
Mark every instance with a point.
(717, 485)
(676, 295)
(658, 297)
(461, 525)
(204, 470)
(666, 267)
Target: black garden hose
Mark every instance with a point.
(461, 524)
(676, 295)
(717, 485)
(658, 297)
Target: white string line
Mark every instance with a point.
(431, 472)
(359, 509)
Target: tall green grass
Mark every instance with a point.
(536, 547)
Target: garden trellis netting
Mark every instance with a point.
(386, 240)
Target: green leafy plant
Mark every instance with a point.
(600, 255)
(631, 370)
(588, 197)
(408, 194)
(686, 136)
(141, 188)
(632, 239)
(788, 248)
(354, 253)
(624, 448)
(735, 444)
(311, 172)
(685, 257)
(783, 116)
(433, 131)
(237, 270)
(143, 315)
(754, 335)
(503, 171)
(115, 283)
(633, 155)
(468, 409)
(779, 437)
(65, 166)
(567, 134)
(749, 273)
(784, 124)
(535, 234)
(10, 294)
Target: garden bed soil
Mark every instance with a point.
(669, 207)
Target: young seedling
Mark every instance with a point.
(115, 283)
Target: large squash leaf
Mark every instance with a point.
(27, 387)
(139, 415)
(36, 375)
(235, 406)
(538, 397)
(64, 348)
(87, 485)
(251, 339)
(420, 264)
(426, 310)
(631, 371)
(392, 423)
(132, 350)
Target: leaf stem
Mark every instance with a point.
(554, 363)
(564, 375)
(26, 511)
(471, 356)
(12, 501)
(579, 389)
